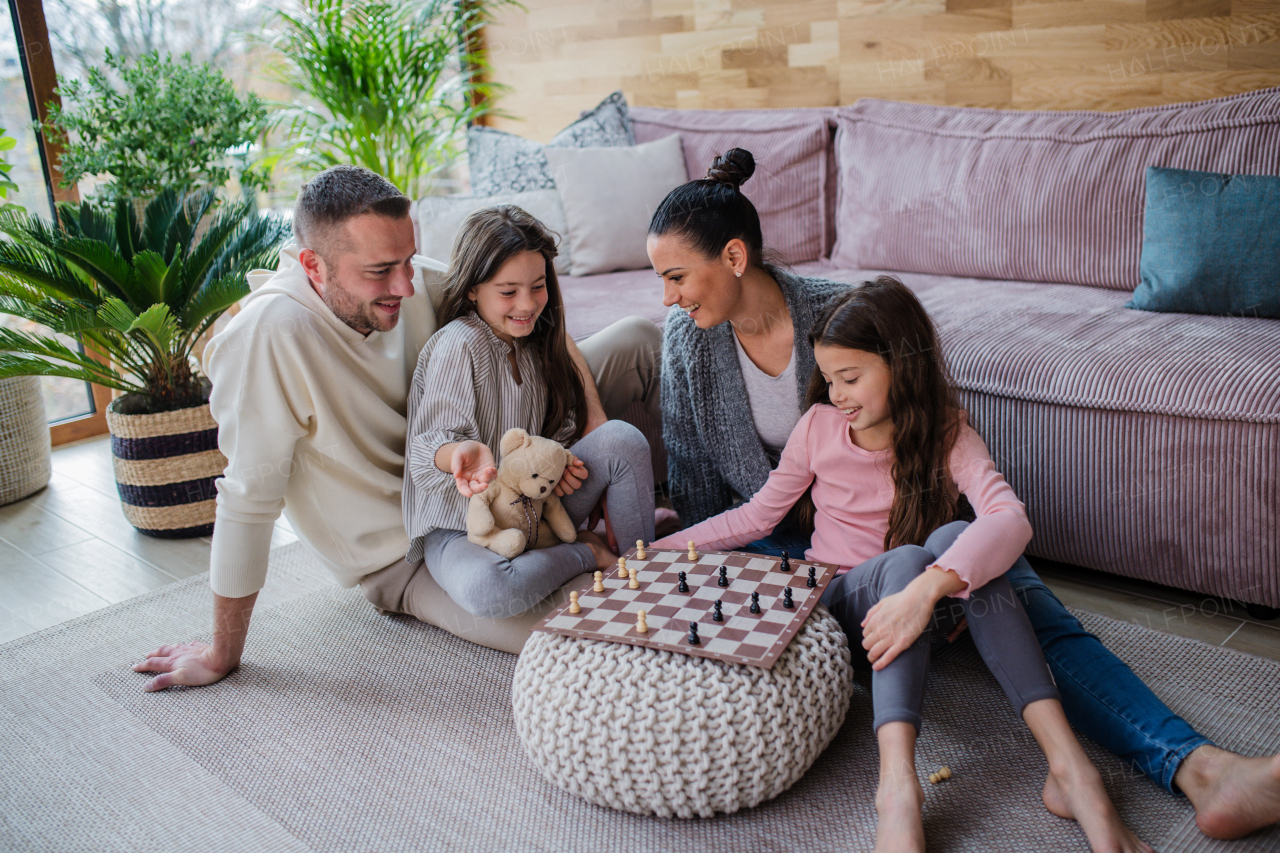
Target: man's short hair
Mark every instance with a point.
(336, 195)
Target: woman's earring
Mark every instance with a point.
(738, 273)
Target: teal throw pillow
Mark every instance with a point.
(1210, 244)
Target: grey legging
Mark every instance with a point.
(999, 626)
(619, 468)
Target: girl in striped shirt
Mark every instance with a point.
(887, 451)
(500, 361)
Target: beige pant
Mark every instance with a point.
(624, 360)
(404, 587)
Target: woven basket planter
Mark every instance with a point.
(165, 466)
(24, 439)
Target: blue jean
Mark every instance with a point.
(1102, 697)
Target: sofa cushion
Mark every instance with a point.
(502, 162)
(609, 195)
(790, 147)
(437, 220)
(1079, 346)
(1210, 244)
(1027, 196)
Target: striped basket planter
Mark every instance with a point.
(165, 466)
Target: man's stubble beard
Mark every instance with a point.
(358, 315)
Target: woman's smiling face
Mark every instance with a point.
(513, 299)
(706, 288)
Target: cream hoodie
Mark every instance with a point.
(311, 417)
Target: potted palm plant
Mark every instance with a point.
(24, 434)
(138, 293)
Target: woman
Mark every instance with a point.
(735, 363)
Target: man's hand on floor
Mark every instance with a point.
(189, 664)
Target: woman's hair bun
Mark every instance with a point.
(733, 167)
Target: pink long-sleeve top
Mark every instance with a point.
(853, 493)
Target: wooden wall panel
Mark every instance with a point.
(563, 55)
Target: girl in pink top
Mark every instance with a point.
(887, 452)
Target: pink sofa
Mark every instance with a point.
(1144, 444)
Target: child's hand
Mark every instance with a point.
(574, 474)
(472, 467)
(893, 624)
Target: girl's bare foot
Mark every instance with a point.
(1077, 794)
(1074, 787)
(899, 809)
(605, 559)
(1233, 795)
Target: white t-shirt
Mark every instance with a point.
(774, 400)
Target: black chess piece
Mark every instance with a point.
(786, 562)
(684, 583)
(813, 577)
(724, 576)
(786, 599)
(693, 634)
(717, 616)
(755, 602)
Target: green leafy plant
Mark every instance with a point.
(394, 85)
(139, 292)
(171, 124)
(7, 185)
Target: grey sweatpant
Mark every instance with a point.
(485, 584)
(999, 625)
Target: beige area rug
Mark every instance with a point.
(350, 731)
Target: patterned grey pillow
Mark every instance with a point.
(502, 162)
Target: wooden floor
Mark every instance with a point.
(68, 550)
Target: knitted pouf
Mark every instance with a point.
(661, 733)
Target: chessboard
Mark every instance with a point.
(673, 618)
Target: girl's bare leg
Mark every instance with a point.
(1074, 788)
(899, 799)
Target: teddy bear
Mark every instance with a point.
(519, 510)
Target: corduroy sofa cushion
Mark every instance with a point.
(1027, 196)
(790, 186)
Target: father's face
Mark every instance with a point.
(367, 271)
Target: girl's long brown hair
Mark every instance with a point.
(884, 317)
(487, 240)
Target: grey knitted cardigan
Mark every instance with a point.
(711, 440)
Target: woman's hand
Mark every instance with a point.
(472, 467)
(893, 624)
(574, 473)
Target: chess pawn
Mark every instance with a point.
(632, 583)
(945, 772)
(693, 554)
(684, 583)
(786, 562)
(813, 577)
(622, 567)
(787, 602)
(641, 626)
(574, 606)
(599, 584)
(640, 554)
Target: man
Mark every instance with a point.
(310, 382)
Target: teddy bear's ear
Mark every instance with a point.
(568, 458)
(512, 440)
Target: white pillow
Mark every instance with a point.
(437, 220)
(609, 195)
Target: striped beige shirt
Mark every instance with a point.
(463, 389)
